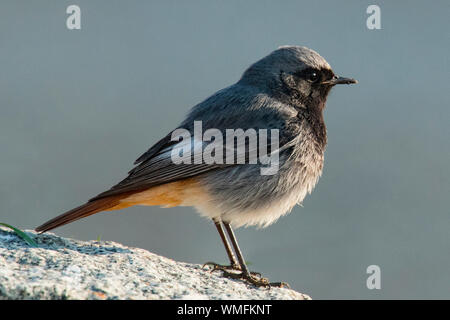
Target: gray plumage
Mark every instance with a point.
(286, 90)
(262, 99)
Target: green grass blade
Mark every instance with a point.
(21, 234)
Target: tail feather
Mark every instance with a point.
(82, 211)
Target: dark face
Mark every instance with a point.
(308, 88)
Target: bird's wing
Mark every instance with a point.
(243, 110)
(156, 167)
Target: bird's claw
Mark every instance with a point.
(221, 267)
(226, 268)
(255, 279)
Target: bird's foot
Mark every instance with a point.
(227, 268)
(221, 267)
(255, 279)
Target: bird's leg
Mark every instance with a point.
(245, 274)
(236, 248)
(234, 265)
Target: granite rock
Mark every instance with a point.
(62, 268)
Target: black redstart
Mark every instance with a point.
(284, 94)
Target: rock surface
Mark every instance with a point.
(61, 268)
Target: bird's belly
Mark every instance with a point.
(265, 199)
(270, 212)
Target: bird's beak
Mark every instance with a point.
(340, 80)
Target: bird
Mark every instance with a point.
(285, 92)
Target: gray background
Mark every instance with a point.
(78, 107)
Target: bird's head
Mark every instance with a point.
(297, 75)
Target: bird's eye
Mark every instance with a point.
(313, 76)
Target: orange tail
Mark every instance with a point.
(85, 210)
(167, 195)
